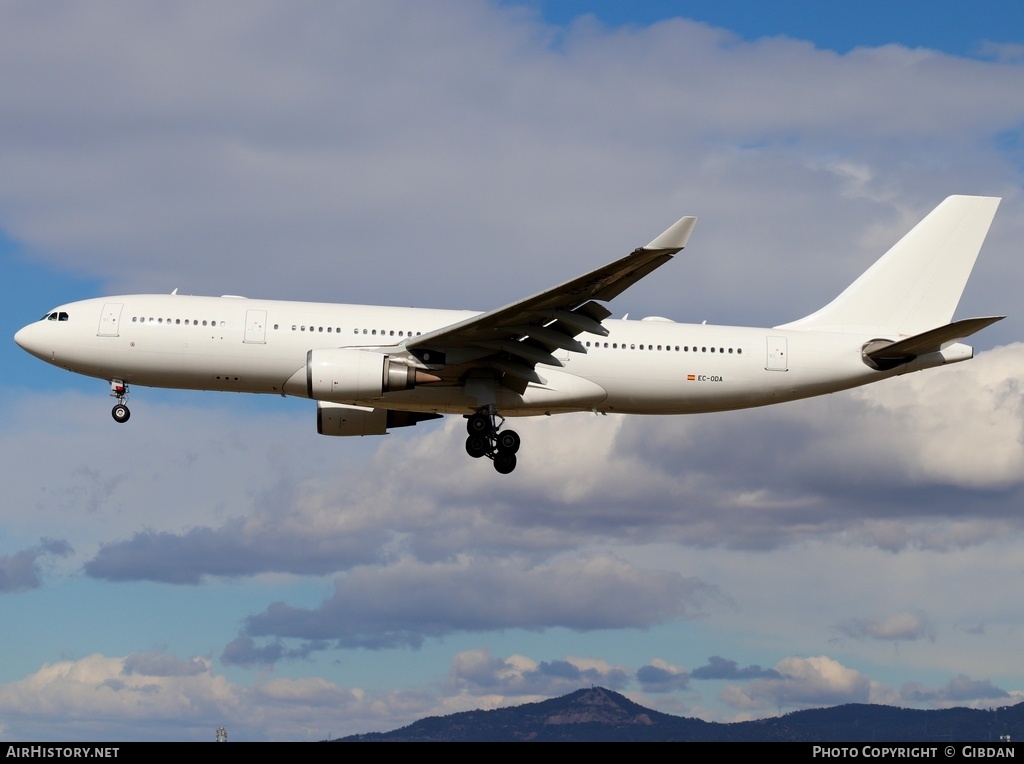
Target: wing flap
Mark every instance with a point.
(577, 322)
(521, 350)
(549, 335)
(518, 370)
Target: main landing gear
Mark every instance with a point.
(485, 440)
(119, 390)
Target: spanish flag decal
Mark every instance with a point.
(691, 377)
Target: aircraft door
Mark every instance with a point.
(778, 354)
(110, 320)
(255, 326)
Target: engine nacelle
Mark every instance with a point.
(345, 374)
(342, 419)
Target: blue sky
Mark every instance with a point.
(849, 549)
(952, 27)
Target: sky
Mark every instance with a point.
(214, 562)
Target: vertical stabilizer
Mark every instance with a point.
(917, 284)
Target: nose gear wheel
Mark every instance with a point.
(119, 390)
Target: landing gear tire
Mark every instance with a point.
(478, 424)
(508, 441)
(477, 446)
(504, 462)
(120, 413)
(485, 439)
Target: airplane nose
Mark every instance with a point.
(24, 338)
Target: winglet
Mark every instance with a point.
(675, 237)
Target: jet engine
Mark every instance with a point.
(347, 374)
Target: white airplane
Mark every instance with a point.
(372, 368)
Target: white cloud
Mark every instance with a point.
(962, 427)
(108, 698)
(402, 603)
(661, 676)
(97, 697)
(814, 681)
(959, 691)
(518, 679)
(892, 628)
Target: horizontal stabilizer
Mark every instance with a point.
(883, 354)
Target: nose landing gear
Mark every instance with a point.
(485, 440)
(119, 390)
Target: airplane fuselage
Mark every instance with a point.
(373, 368)
(650, 366)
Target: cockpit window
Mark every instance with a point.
(55, 316)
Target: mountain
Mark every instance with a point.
(597, 714)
